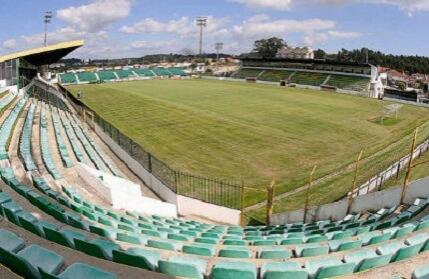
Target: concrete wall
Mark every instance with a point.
(123, 194)
(185, 206)
(369, 202)
(190, 206)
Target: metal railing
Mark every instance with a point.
(211, 190)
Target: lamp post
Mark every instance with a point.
(47, 19)
(201, 22)
(218, 47)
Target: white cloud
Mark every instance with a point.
(411, 6)
(183, 27)
(281, 5)
(262, 26)
(321, 37)
(9, 44)
(97, 15)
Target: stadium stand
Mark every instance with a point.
(71, 137)
(175, 71)
(44, 145)
(141, 72)
(308, 78)
(123, 74)
(87, 77)
(25, 141)
(106, 75)
(243, 73)
(68, 78)
(62, 148)
(180, 247)
(275, 75)
(113, 75)
(7, 128)
(162, 72)
(354, 83)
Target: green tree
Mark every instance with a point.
(268, 48)
(402, 86)
(319, 54)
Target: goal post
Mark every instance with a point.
(389, 110)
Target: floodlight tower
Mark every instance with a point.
(47, 19)
(218, 47)
(201, 22)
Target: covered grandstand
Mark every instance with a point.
(21, 67)
(312, 73)
(57, 224)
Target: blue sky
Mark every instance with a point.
(123, 28)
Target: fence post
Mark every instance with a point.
(175, 182)
(409, 167)
(307, 195)
(149, 164)
(349, 205)
(242, 203)
(270, 202)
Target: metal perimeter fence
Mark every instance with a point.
(210, 190)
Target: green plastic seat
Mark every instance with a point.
(380, 238)
(165, 245)
(406, 229)
(64, 237)
(399, 250)
(137, 257)
(342, 245)
(313, 266)
(201, 250)
(211, 235)
(283, 270)
(421, 273)
(335, 270)
(4, 198)
(10, 209)
(98, 247)
(206, 240)
(235, 253)
(289, 241)
(179, 237)
(233, 270)
(266, 242)
(316, 238)
(79, 271)
(235, 242)
(103, 231)
(366, 259)
(188, 267)
(10, 241)
(274, 253)
(417, 239)
(133, 238)
(40, 258)
(309, 250)
(407, 252)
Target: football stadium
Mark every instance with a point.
(246, 166)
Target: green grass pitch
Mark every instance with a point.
(253, 132)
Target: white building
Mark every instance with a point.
(296, 53)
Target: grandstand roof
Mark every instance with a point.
(44, 55)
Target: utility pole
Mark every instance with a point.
(201, 22)
(47, 19)
(218, 47)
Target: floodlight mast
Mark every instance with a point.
(201, 22)
(47, 19)
(218, 47)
